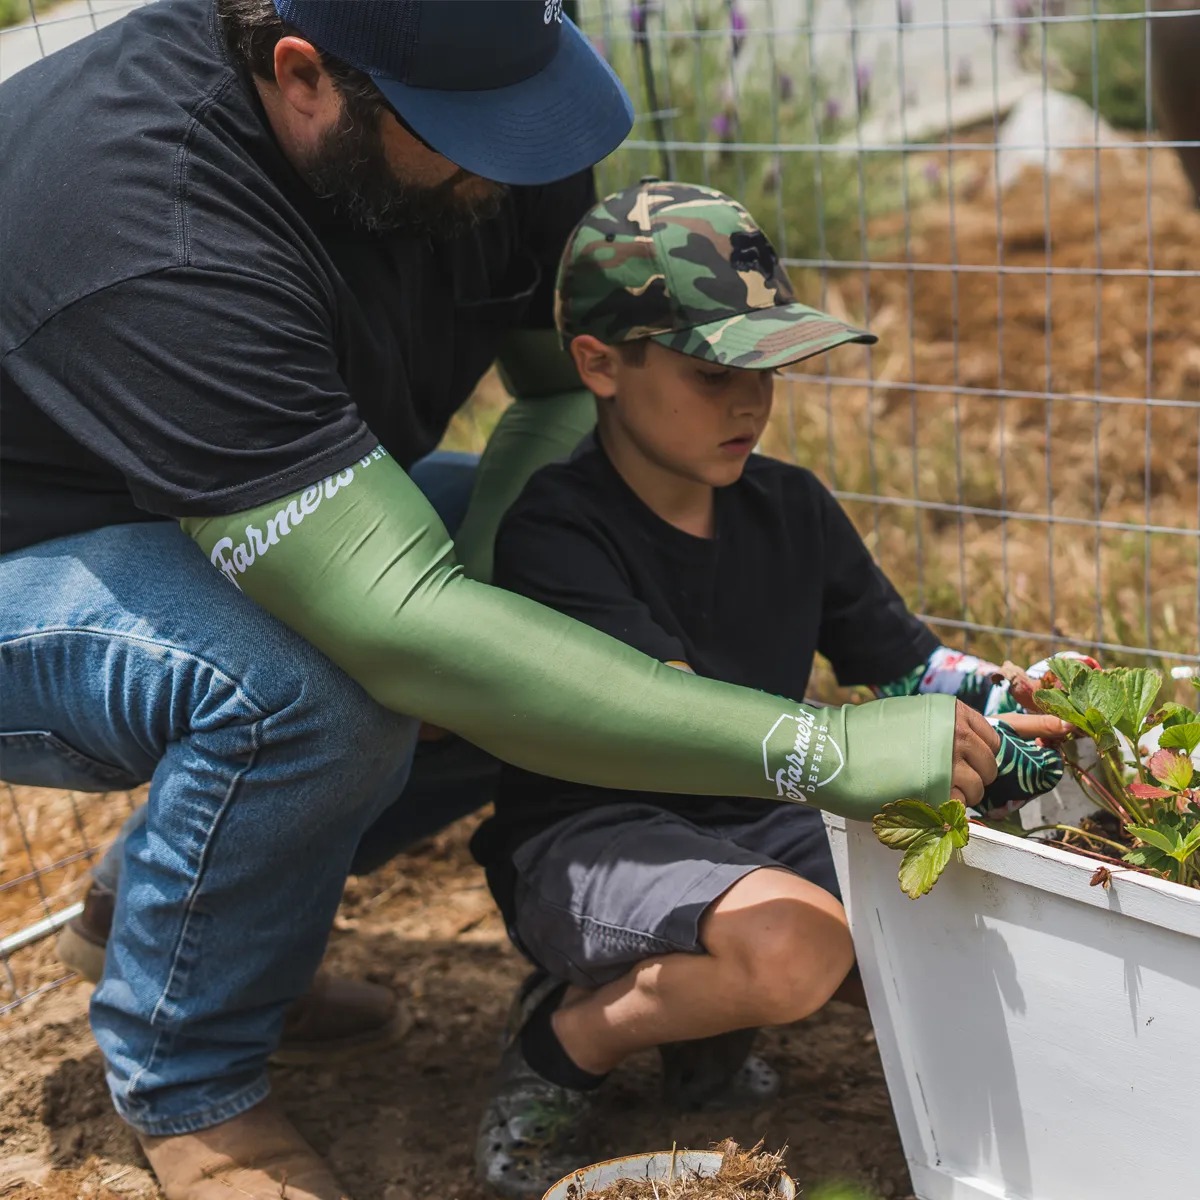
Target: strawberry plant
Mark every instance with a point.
(1153, 795)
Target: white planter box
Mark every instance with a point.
(1040, 1037)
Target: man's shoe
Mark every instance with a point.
(339, 1019)
(530, 1134)
(334, 1020)
(716, 1073)
(259, 1155)
(82, 940)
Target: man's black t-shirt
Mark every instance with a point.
(786, 575)
(185, 329)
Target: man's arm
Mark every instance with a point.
(361, 567)
(550, 414)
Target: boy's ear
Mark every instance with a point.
(597, 365)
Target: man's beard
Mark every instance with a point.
(350, 169)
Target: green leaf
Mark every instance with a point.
(954, 816)
(1191, 844)
(1168, 843)
(928, 837)
(1176, 714)
(1066, 669)
(1108, 692)
(1101, 731)
(1140, 687)
(900, 824)
(923, 864)
(1057, 704)
(1181, 737)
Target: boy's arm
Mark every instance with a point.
(871, 638)
(550, 415)
(362, 568)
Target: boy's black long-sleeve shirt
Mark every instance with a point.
(784, 576)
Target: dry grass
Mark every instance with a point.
(744, 1175)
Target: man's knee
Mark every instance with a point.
(787, 940)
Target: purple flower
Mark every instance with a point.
(787, 87)
(933, 175)
(833, 112)
(862, 84)
(721, 126)
(964, 75)
(637, 17)
(737, 26)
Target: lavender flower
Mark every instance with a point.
(932, 171)
(721, 126)
(832, 112)
(637, 16)
(787, 87)
(862, 85)
(737, 26)
(964, 75)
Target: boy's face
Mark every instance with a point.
(693, 418)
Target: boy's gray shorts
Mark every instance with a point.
(600, 891)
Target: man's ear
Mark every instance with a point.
(303, 82)
(597, 365)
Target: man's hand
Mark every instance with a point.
(975, 747)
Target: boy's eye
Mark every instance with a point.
(714, 377)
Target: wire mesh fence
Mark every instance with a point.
(991, 188)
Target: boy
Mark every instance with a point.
(665, 919)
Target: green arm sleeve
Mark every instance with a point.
(361, 567)
(551, 414)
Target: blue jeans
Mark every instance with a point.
(124, 657)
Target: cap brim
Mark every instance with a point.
(765, 338)
(568, 116)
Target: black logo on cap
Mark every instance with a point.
(752, 252)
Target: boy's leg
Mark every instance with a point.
(776, 949)
(664, 932)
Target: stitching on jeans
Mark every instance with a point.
(190, 904)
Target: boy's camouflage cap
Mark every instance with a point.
(687, 267)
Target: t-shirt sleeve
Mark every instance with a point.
(867, 632)
(548, 216)
(549, 551)
(210, 391)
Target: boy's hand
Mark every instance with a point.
(1038, 727)
(975, 746)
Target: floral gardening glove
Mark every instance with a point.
(1024, 770)
(1026, 767)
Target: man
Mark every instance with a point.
(255, 258)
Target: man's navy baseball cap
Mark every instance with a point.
(506, 89)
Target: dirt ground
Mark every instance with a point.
(400, 1125)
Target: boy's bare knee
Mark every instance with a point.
(786, 942)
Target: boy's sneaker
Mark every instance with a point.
(716, 1073)
(530, 1133)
